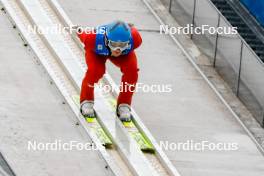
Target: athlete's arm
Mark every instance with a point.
(88, 39)
(82, 36)
(136, 37)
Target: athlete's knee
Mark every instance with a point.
(131, 74)
(94, 74)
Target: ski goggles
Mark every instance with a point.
(118, 45)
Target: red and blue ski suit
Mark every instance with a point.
(96, 67)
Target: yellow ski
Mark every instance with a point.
(133, 131)
(95, 127)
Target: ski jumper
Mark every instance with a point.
(96, 59)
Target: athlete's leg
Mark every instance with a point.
(95, 71)
(129, 68)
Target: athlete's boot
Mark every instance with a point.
(87, 109)
(124, 112)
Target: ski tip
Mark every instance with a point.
(108, 145)
(148, 150)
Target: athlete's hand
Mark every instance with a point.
(75, 27)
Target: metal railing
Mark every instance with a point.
(233, 58)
